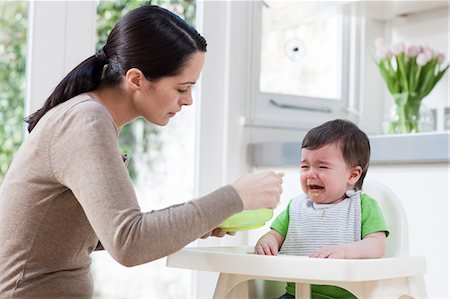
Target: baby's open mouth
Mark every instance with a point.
(315, 187)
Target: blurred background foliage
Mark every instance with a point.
(136, 137)
(13, 36)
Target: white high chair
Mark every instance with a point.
(397, 275)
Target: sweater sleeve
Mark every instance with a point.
(85, 158)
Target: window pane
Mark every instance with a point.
(13, 39)
(300, 49)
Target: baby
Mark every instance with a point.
(332, 219)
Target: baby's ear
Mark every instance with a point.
(355, 174)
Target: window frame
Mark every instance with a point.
(302, 112)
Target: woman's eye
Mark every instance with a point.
(182, 90)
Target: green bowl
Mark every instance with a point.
(246, 220)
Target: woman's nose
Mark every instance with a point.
(186, 99)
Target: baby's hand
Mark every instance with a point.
(267, 245)
(330, 252)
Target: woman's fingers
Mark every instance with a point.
(260, 189)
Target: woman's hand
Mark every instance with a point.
(217, 232)
(260, 189)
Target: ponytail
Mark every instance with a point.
(85, 77)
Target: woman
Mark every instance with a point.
(68, 192)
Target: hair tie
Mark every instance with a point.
(101, 55)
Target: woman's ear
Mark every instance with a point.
(133, 78)
(355, 174)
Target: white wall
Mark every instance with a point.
(425, 195)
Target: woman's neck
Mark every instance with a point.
(117, 102)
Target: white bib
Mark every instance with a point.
(312, 225)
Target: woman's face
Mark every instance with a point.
(325, 176)
(162, 99)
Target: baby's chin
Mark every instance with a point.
(320, 197)
(315, 192)
(316, 197)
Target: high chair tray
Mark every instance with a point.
(241, 260)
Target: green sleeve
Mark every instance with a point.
(281, 223)
(372, 219)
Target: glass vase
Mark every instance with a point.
(405, 117)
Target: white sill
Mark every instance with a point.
(386, 149)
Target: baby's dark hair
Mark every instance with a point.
(354, 143)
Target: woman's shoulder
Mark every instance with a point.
(76, 115)
(84, 107)
(84, 103)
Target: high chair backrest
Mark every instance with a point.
(394, 215)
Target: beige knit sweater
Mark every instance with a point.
(68, 188)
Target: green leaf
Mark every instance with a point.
(412, 70)
(428, 80)
(384, 67)
(440, 74)
(402, 74)
(416, 78)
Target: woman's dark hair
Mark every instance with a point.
(149, 38)
(354, 143)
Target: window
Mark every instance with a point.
(162, 176)
(301, 62)
(13, 39)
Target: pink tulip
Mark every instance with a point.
(429, 52)
(422, 59)
(398, 48)
(412, 51)
(440, 57)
